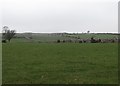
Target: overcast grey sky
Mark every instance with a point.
(60, 15)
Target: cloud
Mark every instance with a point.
(60, 15)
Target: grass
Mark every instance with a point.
(52, 63)
(47, 38)
(101, 36)
(41, 38)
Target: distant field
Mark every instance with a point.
(56, 63)
(42, 38)
(101, 36)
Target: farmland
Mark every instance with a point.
(59, 63)
(53, 37)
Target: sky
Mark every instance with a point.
(47, 16)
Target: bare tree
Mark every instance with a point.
(7, 34)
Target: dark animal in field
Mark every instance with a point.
(63, 41)
(89, 40)
(84, 41)
(58, 41)
(3, 41)
(80, 41)
(95, 40)
(112, 40)
(99, 40)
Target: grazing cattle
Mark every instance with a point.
(99, 40)
(84, 41)
(95, 40)
(91, 40)
(58, 41)
(63, 41)
(80, 41)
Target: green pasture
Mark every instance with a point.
(48, 38)
(101, 36)
(58, 63)
(42, 38)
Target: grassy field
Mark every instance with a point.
(56, 63)
(45, 38)
(41, 38)
(101, 36)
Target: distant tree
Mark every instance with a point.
(88, 31)
(7, 34)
